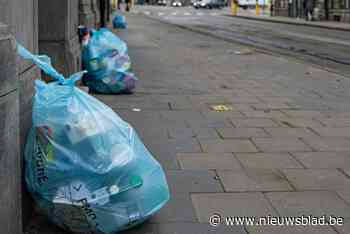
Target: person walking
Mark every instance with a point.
(309, 9)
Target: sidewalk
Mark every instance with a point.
(278, 149)
(250, 14)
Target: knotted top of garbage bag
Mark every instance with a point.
(44, 63)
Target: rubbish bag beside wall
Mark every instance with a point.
(86, 168)
(119, 22)
(105, 57)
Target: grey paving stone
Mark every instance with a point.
(230, 204)
(290, 230)
(324, 159)
(253, 122)
(290, 132)
(333, 132)
(343, 229)
(227, 161)
(176, 132)
(303, 113)
(241, 132)
(227, 146)
(198, 228)
(316, 203)
(208, 123)
(336, 144)
(317, 179)
(163, 151)
(299, 122)
(178, 209)
(344, 194)
(179, 116)
(191, 181)
(335, 122)
(183, 145)
(264, 114)
(206, 133)
(221, 115)
(268, 160)
(280, 144)
(256, 180)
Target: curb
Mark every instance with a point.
(290, 22)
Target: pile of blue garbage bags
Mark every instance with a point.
(105, 57)
(85, 167)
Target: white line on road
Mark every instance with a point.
(187, 13)
(199, 13)
(174, 13)
(160, 13)
(147, 12)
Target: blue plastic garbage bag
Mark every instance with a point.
(105, 57)
(119, 21)
(86, 168)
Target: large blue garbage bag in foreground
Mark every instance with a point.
(119, 21)
(105, 57)
(85, 167)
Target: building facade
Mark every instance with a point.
(332, 10)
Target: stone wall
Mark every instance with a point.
(16, 91)
(58, 38)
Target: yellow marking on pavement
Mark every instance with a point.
(221, 108)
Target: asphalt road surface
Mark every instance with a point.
(327, 48)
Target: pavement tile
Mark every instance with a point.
(333, 132)
(315, 203)
(253, 122)
(176, 132)
(254, 180)
(335, 122)
(227, 146)
(276, 99)
(335, 144)
(290, 132)
(179, 116)
(197, 228)
(344, 194)
(317, 179)
(213, 115)
(239, 100)
(163, 151)
(303, 113)
(278, 144)
(228, 162)
(183, 145)
(268, 160)
(243, 107)
(290, 230)
(208, 123)
(264, 114)
(230, 204)
(346, 170)
(145, 228)
(205, 133)
(191, 181)
(241, 132)
(299, 122)
(345, 228)
(324, 159)
(178, 209)
(271, 106)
